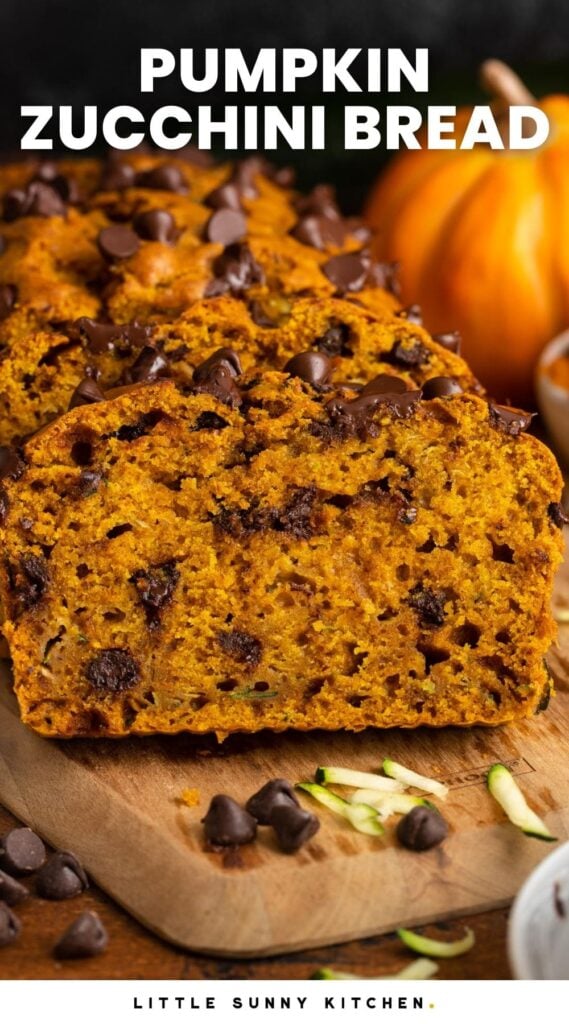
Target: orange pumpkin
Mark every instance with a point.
(483, 240)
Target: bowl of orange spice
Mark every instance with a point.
(552, 389)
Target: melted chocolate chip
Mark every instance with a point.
(415, 354)
(28, 582)
(113, 670)
(156, 226)
(168, 178)
(429, 604)
(557, 514)
(210, 421)
(510, 421)
(8, 296)
(89, 482)
(118, 242)
(12, 892)
(228, 824)
(61, 877)
(226, 227)
(313, 367)
(12, 464)
(36, 200)
(241, 646)
(216, 376)
(354, 417)
(155, 587)
(149, 365)
(421, 829)
(21, 852)
(273, 794)
(87, 392)
(235, 271)
(10, 926)
(334, 342)
(296, 517)
(85, 937)
(294, 826)
(451, 341)
(102, 337)
(441, 387)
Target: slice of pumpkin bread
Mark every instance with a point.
(268, 551)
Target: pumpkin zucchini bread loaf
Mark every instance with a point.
(266, 550)
(140, 267)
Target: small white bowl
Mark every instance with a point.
(552, 400)
(538, 930)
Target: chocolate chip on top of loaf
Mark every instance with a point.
(269, 550)
(142, 266)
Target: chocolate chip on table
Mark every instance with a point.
(12, 892)
(61, 877)
(510, 421)
(85, 937)
(21, 851)
(421, 829)
(451, 340)
(226, 227)
(273, 794)
(156, 226)
(168, 178)
(118, 242)
(557, 514)
(294, 826)
(113, 670)
(10, 926)
(441, 387)
(36, 200)
(8, 296)
(87, 392)
(313, 367)
(228, 824)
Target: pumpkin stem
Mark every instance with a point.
(504, 85)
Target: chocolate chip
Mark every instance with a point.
(118, 242)
(210, 421)
(156, 226)
(155, 587)
(451, 341)
(168, 177)
(10, 926)
(235, 271)
(49, 173)
(228, 824)
(113, 670)
(401, 354)
(149, 365)
(510, 421)
(441, 387)
(103, 337)
(241, 646)
(61, 877)
(385, 384)
(85, 937)
(245, 173)
(87, 392)
(12, 464)
(294, 826)
(285, 177)
(334, 341)
(349, 418)
(348, 272)
(28, 582)
(421, 829)
(557, 514)
(412, 314)
(313, 367)
(21, 851)
(226, 197)
(36, 200)
(274, 793)
(225, 227)
(429, 604)
(12, 892)
(117, 176)
(384, 275)
(320, 232)
(89, 481)
(8, 296)
(296, 517)
(321, 202)
(215, 376)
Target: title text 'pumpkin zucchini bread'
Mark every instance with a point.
(268, 551)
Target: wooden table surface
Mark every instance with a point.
(134, 953)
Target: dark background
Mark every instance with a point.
(65, 52)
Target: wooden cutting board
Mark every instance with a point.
(116, 805)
